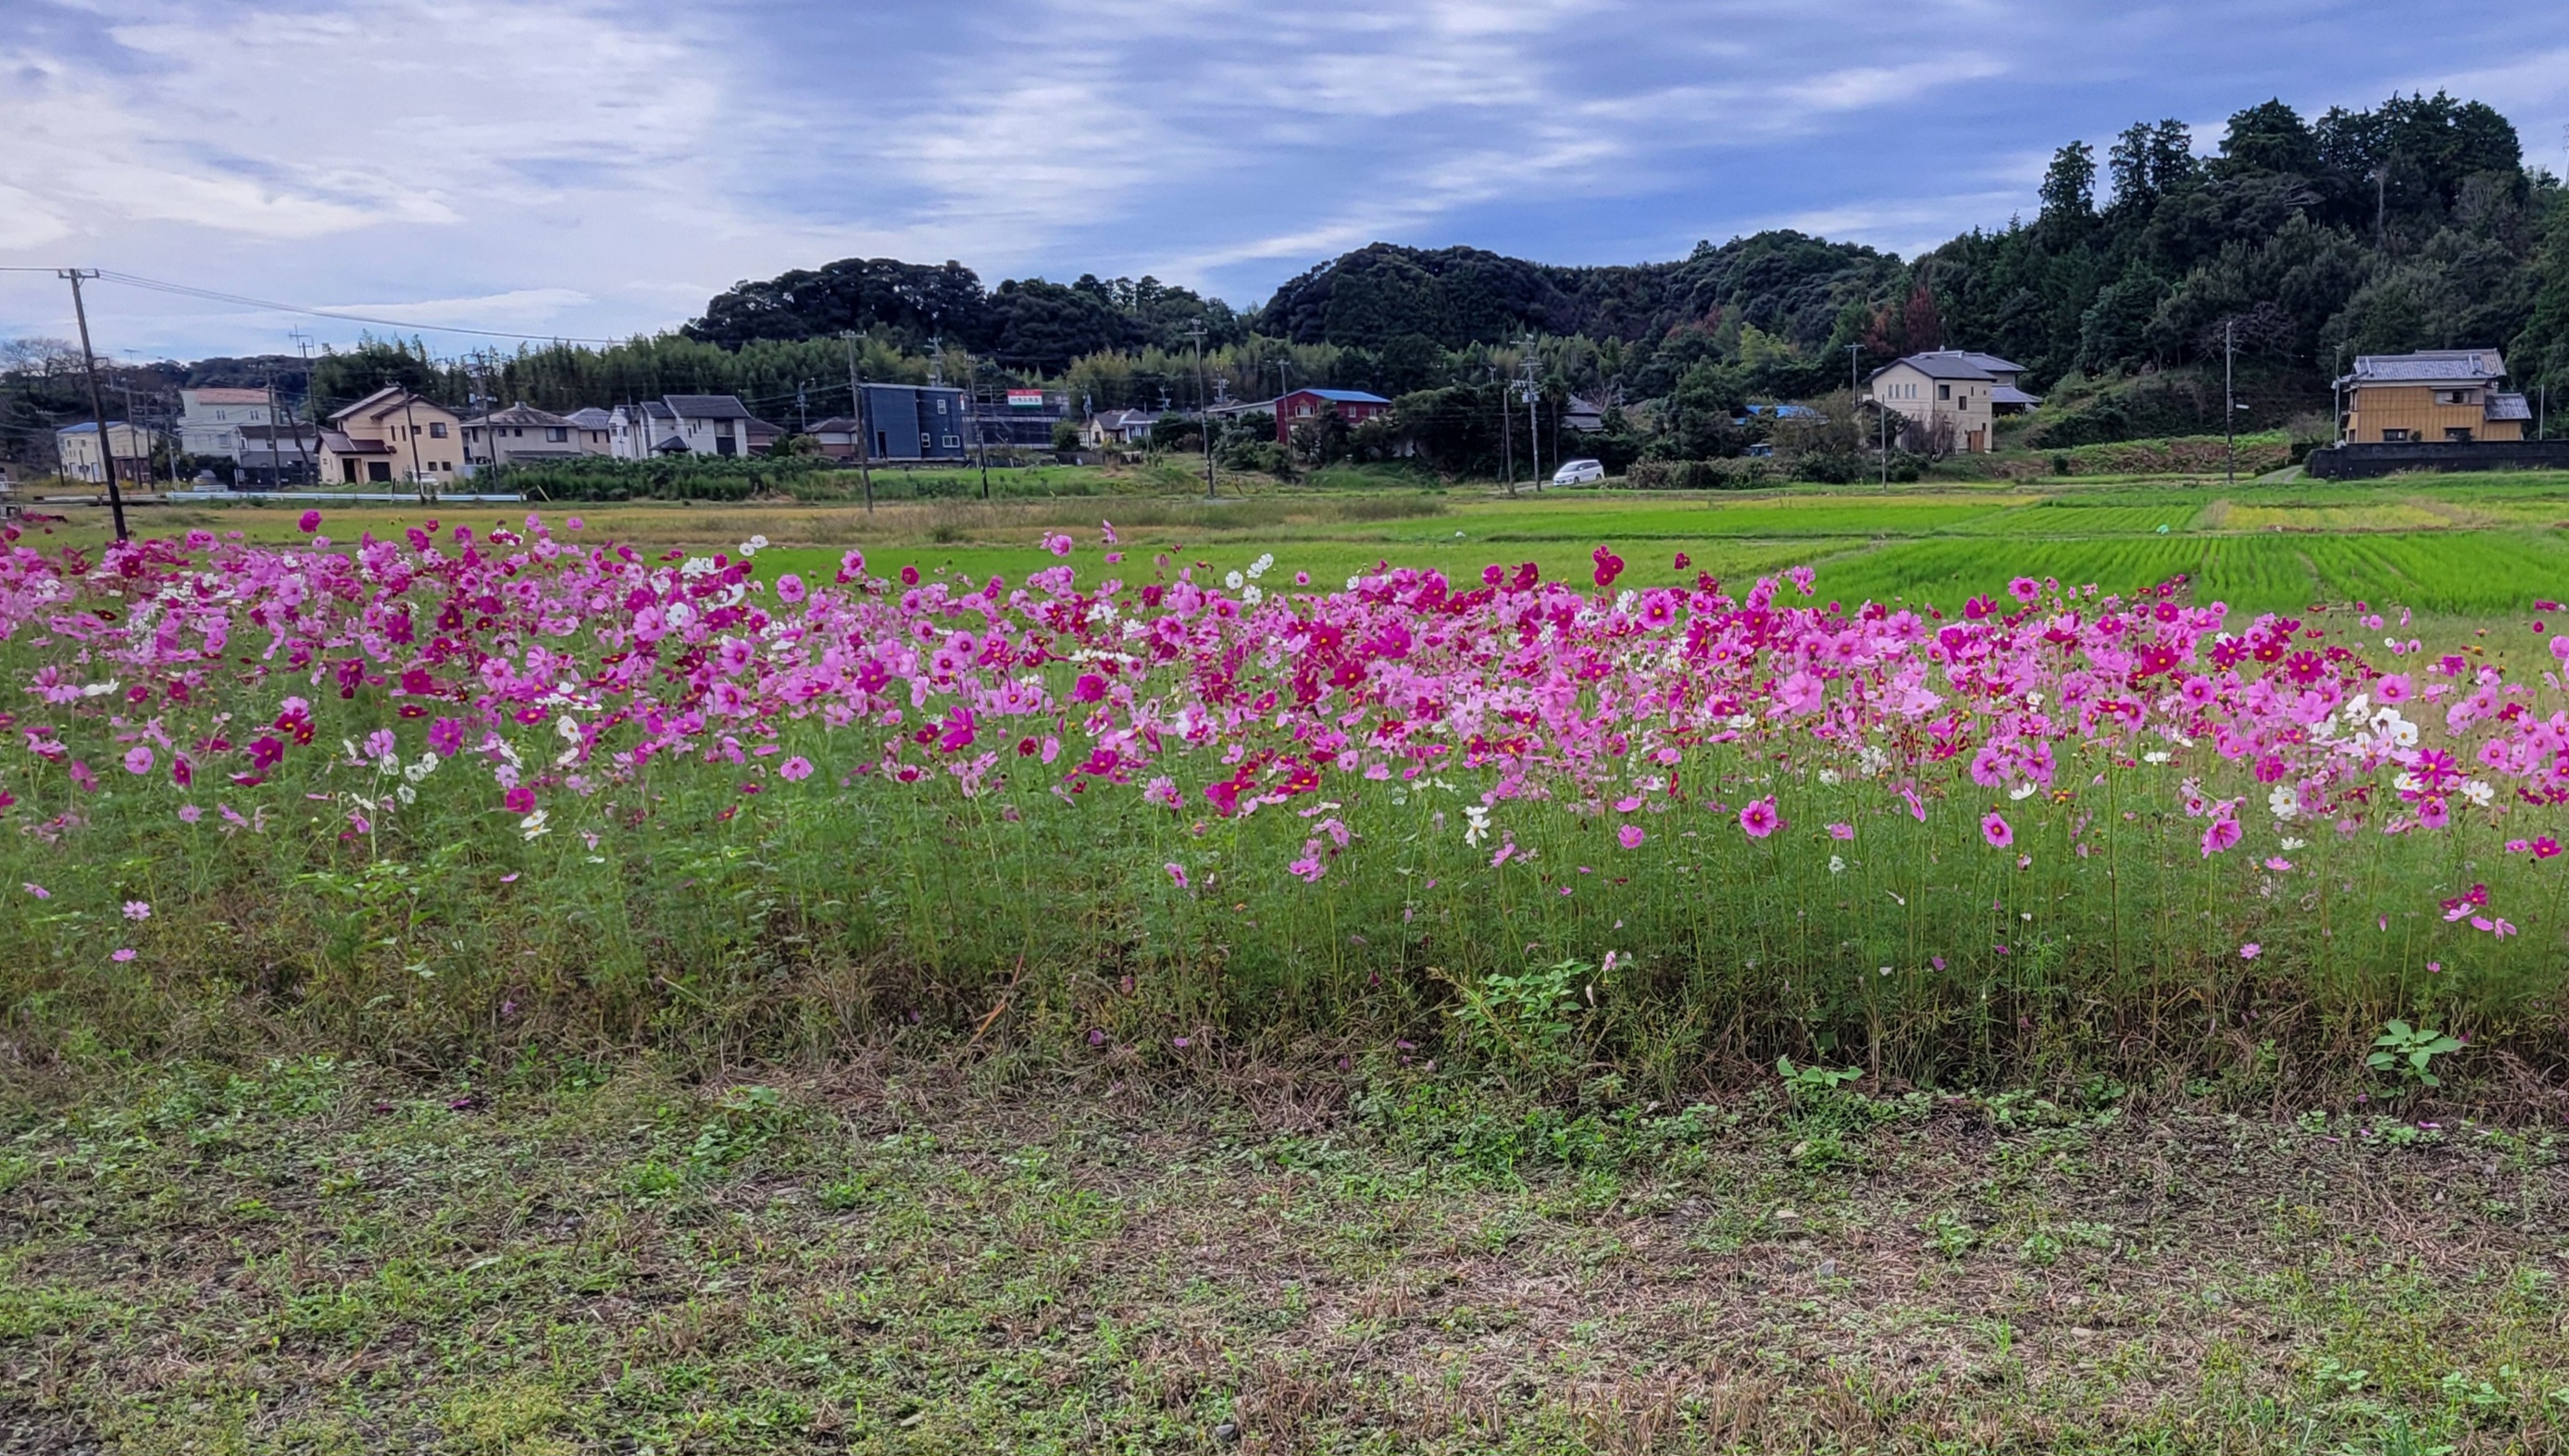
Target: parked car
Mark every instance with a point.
(1579, 473)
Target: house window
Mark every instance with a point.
(1943, 391)
(436, 432)
(2394, 437)
(556, 435)
(2458, 433)
(2452, 396)
(379, 471)
(723, 445)
(951, 443)
(940, 407)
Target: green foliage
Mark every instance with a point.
(2409, 1050)
(1804, 1081)
(1742, 472)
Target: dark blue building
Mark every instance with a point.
(916, 422)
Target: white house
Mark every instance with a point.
(687, 424)
(210, 420)
(75, 446)
(1117, 427)
(523, 434)
(1955, 394)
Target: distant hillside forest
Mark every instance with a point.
(2415, 224)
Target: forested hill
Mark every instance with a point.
(2413, 225)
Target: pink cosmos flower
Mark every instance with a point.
(909, 575)
(1176, 873)
(122, 954)
(1106, 529)
(309, 522)
(1609, 565)
(137, 910)
(1058, 543)
(2432, 812)
(2278, 864)
(138, 760)
(2394, 688)
(790, 589)
(1995, 830)
(852, 565)
(795, 769)
(189, 813)
(38, 890)
(2250, 950)
(1630, 836)
(2220, 836)
(2024, 590)
(1310, 868)
(520, 799)
(1760, 818)
(1842, 831)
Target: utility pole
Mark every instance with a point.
(1535, 435)
(2229, 401)
(856, 413)
(97, 410)
(1853, 353)
(303, 346)
(1507, 440)
(980, 437)
(1882, 442)
(410, 428)
(1204, 413)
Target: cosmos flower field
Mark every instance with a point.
(461, 788)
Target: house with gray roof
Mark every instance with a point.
(2431, 397)
(687, 424)
(1954, 396)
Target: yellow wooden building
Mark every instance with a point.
(2433, 397)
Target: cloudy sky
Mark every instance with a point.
(597, 168)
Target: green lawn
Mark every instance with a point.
(904, 1256)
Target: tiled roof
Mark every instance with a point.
(2509, 407)
(1347, 396)
(520, 415)
(2429, 365)
(1943, 364)
(225, 395)
(2009, 394)
(591, 418)
(706, 405)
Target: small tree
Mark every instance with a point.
(1065, 437)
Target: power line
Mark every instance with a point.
(188, 290)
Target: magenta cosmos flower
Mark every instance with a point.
(1759, 819)
(2220, 837)
(1995, 829)
(1631, 836)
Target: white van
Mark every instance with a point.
(1579, 473)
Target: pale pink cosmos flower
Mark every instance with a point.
(38, 890)
(795, 769)
(189, 813)
(138, 760)
(122, 954)
(790, 589)
(1842, 831)
(2250, 950)
(137, 910)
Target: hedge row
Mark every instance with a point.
(2184, 455)
(1702, 475)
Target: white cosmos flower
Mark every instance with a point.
(2283, 801)
(2025, 789)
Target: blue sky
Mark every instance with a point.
(598, 169)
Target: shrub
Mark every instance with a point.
(1734, 473)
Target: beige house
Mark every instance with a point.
(210, 420)
(2436, 397)
(1952, 397)
(392, 436)
(75, 447)
(525, 435)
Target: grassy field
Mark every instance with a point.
(720, 1123)
(905, 1256)
(2474, 547)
